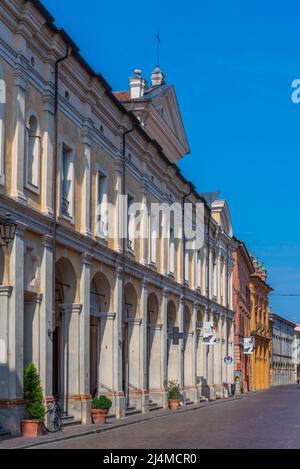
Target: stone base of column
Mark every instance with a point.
(120, 406)
(86, 408)
(165, 399)
(212, 393)
(145, 402)
(11, 414)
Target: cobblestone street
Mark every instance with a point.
(267, 419)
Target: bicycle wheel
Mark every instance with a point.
(53, 422)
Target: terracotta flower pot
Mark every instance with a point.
(174, 404)
(99, 416)
(31, 428)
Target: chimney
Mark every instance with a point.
(157, 77)
(137, 85)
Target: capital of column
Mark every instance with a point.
(119, 272)
(144, 284)
(48, 104)
(47, 241)
(86, 258)
(165, 292)
(118, 165)
(71, 308)
(19, 79)
(20, 229)
(6, 290)
(86, 137)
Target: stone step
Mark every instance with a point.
(189, 402)
(68, 420)
(4, 434)
(131, 411)
(154, 406)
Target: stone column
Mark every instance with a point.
(164, 348)
(106, 353)
(46, 317)
(205, 357)
(194, 351)
(18, 143)
(5, 293)
(119, 218)
(118, 372)
(71, 361)
(86, 187)
(165, 251)
(181, 343)
(16, 315)
(143, 348)
(84, 325)
(145, 234)
(47, 159)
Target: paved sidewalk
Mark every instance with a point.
(85, 430)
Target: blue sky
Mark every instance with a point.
(232, 64)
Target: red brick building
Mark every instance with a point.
(243, 268)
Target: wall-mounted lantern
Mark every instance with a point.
(7, 229)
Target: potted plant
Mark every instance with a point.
(33, 396)
(173, 395)
(100, 408)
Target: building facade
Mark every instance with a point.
(98, 312)
(282, 359)
(242, 270)
(259, 326)
(296, 352)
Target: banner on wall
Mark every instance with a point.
(209, 333)
(249, 344)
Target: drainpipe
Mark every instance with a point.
(123, 189)
(54, 174)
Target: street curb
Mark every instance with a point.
(122, 423)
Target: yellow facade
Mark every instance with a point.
(259, 328)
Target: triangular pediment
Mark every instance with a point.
(164, 102)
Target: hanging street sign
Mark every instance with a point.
(249, 344)
(209, 334)
(228, 360)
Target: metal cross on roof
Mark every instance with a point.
(158, 46)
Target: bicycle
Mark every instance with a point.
(53, 417)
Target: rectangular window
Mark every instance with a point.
(153, 239)
(222, 280)
(33, 154)
(2, 123)
(67, 182)
(172, 250)
(101, 205)
(214, 277)
(198, 269)
(130, 223)
(187, 266)
(1, 150)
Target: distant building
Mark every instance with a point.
(282, 361)
(259, 326)
(242, 270)
(296, 351)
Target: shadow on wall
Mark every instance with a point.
(10, 414)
